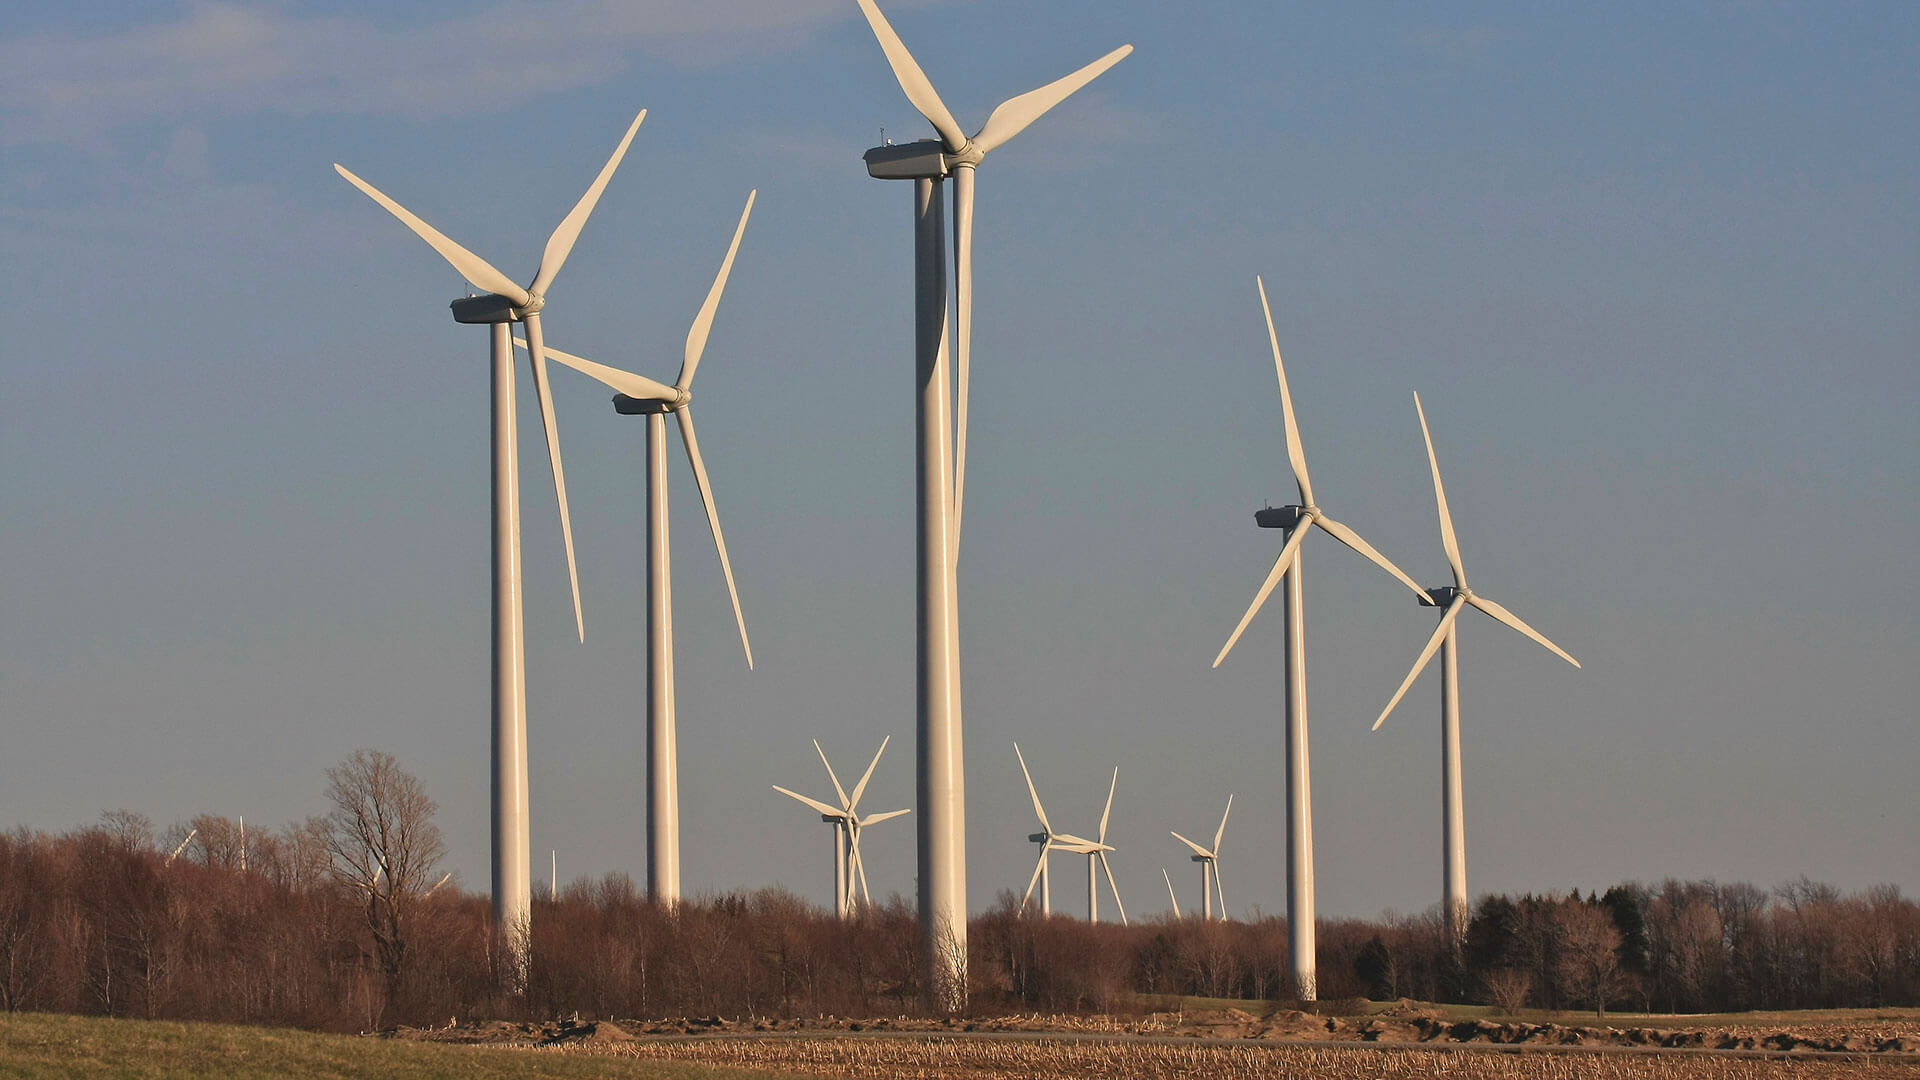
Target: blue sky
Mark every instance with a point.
(1652, 267)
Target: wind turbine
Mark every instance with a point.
(1209, 860)
(847, 823)
(638, 395)
(941, 474)
(507, 302)
(1051, 841)
(1445, 639)
(1298, 521)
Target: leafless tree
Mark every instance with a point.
(1589, 953)
(384, 845)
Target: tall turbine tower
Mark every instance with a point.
(641, 396)
(1298, 521)
(1454, 599)
(506, 302)
(849, 868)
(1209, 860)
(941, 475)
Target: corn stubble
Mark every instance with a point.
(987, 1059)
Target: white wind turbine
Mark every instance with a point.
(941, 474)
(1209, 860)
(1298, 521)
(1445, 640)
(848, 866)
(1095, 850)
(507, 302)
(641, 396)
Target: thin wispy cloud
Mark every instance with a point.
(220, 58)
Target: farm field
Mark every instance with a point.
(41, 1045)
(38, 1045)
(1001, 1058)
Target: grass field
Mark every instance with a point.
(36, 1046)
(960, 1058)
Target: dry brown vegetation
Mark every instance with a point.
(982, 1059)
(336, 924)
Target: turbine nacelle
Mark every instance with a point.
(638, 406)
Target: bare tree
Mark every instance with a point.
(385, 845)
(1589, 951)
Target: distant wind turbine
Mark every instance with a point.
(1209, 860)
(848, 866)
(507, 302)
(1298, 521)
(1095, 850)
(638, 395)
(1445, 640)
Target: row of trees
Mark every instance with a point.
(346, 923)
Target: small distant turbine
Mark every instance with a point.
(638, 395)
(848, 866)
(1445, 640)
(1298, 521)
(1051, 841)
(1209, 860)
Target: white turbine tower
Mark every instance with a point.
(1444, 639)
(848, 866)
(506, 302)
(1298, 521)
(1209, 860)
(1050, 841)
(941, 476)
(641, 396)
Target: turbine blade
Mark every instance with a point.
(470, 266)
(860, 867)
(1197, 849)
(1296, 455)
(537, 354)
(685, 416)
(560, 244)
(1352, 539)
(1426, 654)
(837, 789)
(625, 382)
(1108, 812)
(1219, 888)
(1440, 498)
(1038, 811)
(1080, 845)
(815, 803)
(1220, 833)
(861, 787)
(1014, 114)
(1038, 867)
(1280, 566)
(919, 89)
(1102, 856)
(963, 336)
(1170, 896)
(878, 818)
(1515, 621)
(703, 322)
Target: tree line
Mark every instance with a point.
(346, 922)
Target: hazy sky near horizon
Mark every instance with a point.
(1654, 268)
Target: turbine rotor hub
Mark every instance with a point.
(536, 303)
